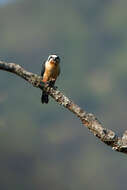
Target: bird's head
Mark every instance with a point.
(54, 59)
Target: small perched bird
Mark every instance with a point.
(50, 72)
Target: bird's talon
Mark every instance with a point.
(47, 84)
(52, 83)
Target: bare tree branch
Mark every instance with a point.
(88, 119)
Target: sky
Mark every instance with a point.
(4, 1)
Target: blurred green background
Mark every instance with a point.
(45, 146)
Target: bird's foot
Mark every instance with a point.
(51, 83)
(47, 84)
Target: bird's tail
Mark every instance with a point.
(44, 97)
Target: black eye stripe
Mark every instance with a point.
(49, 58)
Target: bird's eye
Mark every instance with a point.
(58, 59)
(50, 57)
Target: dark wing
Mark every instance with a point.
(59, 71)
(43, 68)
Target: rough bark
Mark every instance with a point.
(88, 119)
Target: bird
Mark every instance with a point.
(50, 71)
